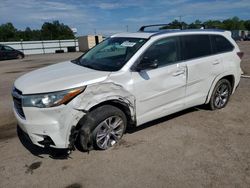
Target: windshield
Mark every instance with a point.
(111, 54)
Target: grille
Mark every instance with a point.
(17, 98)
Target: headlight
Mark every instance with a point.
(47, 100)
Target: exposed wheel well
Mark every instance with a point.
(231, 79)
(119, 104)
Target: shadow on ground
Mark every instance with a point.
(133, 129)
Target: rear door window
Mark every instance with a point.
(195, 46)
(221, 44)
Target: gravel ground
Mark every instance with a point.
(245, 47)
(192, 148)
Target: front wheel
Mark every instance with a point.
(20, 56)
(102, 128)
(220, 95)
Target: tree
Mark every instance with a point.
(56, 30)
(7, 32)
(196, 25)
(175, 25)
(233, 24)
(214, 24)
(49, 31)
(247, 24)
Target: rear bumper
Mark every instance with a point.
(49, 126)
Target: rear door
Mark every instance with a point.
(160, 91)
(202, 66)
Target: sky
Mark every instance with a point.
(109, 16)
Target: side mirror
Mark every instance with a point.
(146, 63)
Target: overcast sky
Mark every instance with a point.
(109, 16)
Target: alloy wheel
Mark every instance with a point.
(109, 132)
(221, 96)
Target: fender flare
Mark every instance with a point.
(219, 77)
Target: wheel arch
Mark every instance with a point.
(77, 130)
(230, 77)
(122, 105)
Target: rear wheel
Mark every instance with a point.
(102, 128)
(220, 95)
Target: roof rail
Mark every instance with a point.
(142, 29)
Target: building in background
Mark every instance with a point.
(87, 42)
(240, 34)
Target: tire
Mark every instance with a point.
(99, 126)
(220, 95)
(20, 56)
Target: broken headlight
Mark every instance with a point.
(47, 100)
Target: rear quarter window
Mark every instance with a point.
(195, 46)
(221, 44)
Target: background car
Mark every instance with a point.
(247, 38)
(7, 52)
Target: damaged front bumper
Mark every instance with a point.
(50, 127)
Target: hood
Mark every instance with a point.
(58, 77)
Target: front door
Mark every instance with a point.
(160, 91)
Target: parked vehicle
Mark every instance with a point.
(128, 79)
(247, 38)
(7, 52)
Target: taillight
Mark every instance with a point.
(240, 54)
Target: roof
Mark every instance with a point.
(149, 34)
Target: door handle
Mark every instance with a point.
(177, 73)
(216, 62)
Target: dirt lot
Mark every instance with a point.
(193, 148)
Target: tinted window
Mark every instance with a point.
(221, 44)
(7, 48)
(164, 51)
(195, 46)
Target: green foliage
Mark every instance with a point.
(7, 32)
(49, 31)
(213, 24)
(173, 25)
(56, 30)
(233, 24)
(247, 24)
(229, 24)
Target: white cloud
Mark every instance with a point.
(209, 8)
(109, 5)
(35, 12)
(112, 16)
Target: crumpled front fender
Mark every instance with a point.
(97, 93)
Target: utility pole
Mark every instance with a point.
(180, 21)
(180, 18)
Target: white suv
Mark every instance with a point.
(128, 79)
